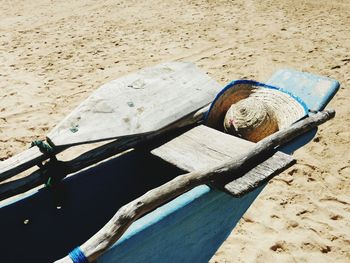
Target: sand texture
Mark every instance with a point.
(53, 54)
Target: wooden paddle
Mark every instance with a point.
(126, 215)
(93, 156)
(133, 106)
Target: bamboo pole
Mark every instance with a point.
(126, 215)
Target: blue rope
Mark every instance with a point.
(77, 256)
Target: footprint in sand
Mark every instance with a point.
(335, 217)
(344, 171)
(279, 246)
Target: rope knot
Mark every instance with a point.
(43, 147)
(55, 170)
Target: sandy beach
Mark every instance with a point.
(53, 54)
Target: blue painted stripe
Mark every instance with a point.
(77, 256)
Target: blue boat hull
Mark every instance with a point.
(189, 228)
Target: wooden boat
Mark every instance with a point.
(45, 224)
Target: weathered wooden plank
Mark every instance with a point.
(203, 147)
(139, 103)
(20, 162)
(200, 148)
(276, 164)
(96, 155)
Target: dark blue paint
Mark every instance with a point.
(88, 201)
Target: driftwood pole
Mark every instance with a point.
(130, 212)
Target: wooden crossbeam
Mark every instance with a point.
(202, 148)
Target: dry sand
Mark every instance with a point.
(53, 54)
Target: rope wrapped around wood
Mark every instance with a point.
(77, 256)
(54, 169)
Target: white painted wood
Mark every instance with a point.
(139, 103)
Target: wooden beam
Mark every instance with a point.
(203, 147)
(138, 104)
(258, 175)
(21, 162)
(96, 155)
(130, 212)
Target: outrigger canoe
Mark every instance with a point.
(150, 114)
